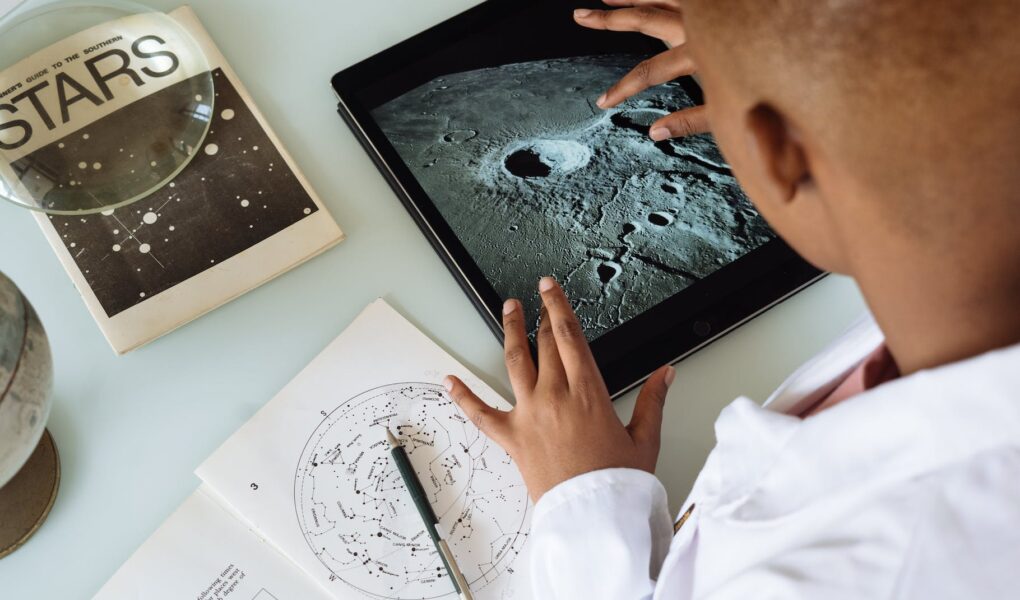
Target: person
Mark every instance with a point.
(880, 139)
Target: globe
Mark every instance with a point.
(26, 380)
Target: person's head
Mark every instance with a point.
(872, 131)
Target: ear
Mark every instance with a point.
(788, 193)
(775, 148)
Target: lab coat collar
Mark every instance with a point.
(820, 375)
(767, 464)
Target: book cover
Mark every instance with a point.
(239, 214)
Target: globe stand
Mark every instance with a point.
(26, 500)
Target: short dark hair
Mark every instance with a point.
(889, 83)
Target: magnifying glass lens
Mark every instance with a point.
(101, 104)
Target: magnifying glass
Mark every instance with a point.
(102, 103)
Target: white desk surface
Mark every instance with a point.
(131, 430)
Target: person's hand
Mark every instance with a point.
(660, 19)
(564, 424)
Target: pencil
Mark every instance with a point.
(421, 502)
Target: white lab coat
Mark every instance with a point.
(909, 490)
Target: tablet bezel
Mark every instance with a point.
(627, 354)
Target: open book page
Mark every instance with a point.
(203, 553)
(312, 472)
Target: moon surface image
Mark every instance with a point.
(535, 180)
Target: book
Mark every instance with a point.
(304, 501)
(239, 214)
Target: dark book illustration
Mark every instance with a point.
(236, 192)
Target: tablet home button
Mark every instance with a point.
(702, 328)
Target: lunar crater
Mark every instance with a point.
(459, 136)
(542, 158)
(638, 120)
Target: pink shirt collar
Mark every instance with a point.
(876, 368)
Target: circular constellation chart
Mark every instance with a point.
(358, 518)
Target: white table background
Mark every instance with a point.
(131, 430)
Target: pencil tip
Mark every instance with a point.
(392, 439)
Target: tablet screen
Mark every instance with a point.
(489, 123)
(534, 179)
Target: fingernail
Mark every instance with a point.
(448, 384)
(601, 102)
(546, 283)
(581, 13)
(509, 306)
(659, 133)
(670, 376)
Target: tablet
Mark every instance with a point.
(487, 130)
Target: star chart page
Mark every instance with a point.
(312, 471)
